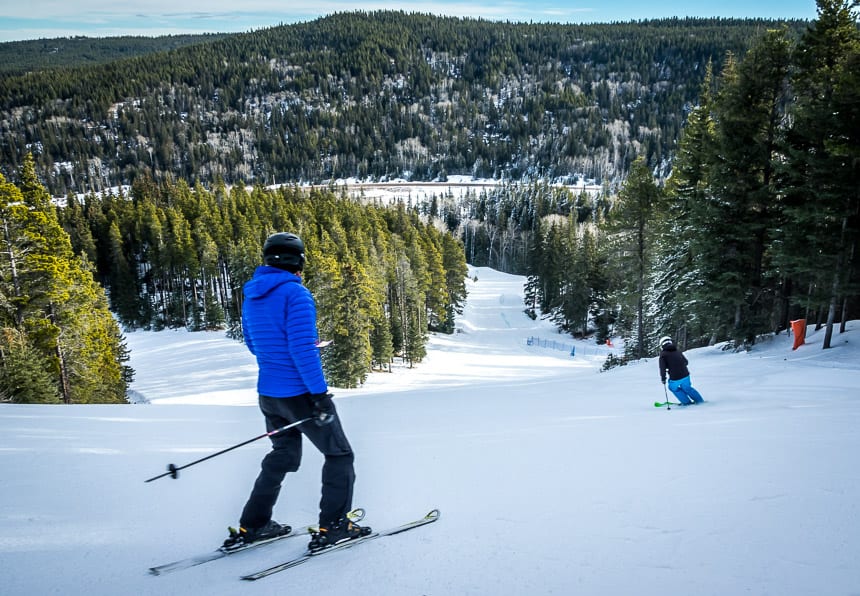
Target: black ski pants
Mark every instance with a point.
(338, 475)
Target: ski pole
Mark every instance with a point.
(173, 471)
(666, 393)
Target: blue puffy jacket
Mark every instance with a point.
(279, 322)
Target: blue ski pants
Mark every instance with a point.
(685, 392)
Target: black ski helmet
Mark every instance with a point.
(285, 251)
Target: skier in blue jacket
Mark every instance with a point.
(673, 362)
(279, 328)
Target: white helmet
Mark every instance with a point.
(665, 340)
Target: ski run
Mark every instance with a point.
(554, 477)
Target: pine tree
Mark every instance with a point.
(675, 306)
(23, 372)
(351, 340)
(124, 295)
(598, 279)
(436, 289)
(381, 343)
(532, 294)
(743, 209)
(341, 292)
(820, 241)
(454, 265)
(633, 220)
(56, 304)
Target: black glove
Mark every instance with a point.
(324, 411)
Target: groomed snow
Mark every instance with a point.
(552, 478)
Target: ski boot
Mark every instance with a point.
(245, 536)
(336, 532)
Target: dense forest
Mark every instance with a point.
(175, 256)
(168, 255)
(758, 224)
(373, 96)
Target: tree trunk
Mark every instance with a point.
(836, 290)
(16, 282)
(831, 314)
(65, 387)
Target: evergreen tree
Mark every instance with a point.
(23, 373)
(532, 293)
(436, 294)
(598, 279)
(675, 306)
(633, 220)
(345, 301)
(821, 176)
(352, 339)
(124, 295)
(454, 266)
(54, 301)
(743, 209)
(381, 343)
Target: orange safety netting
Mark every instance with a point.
(798, 327)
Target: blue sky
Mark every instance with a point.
(34, 19)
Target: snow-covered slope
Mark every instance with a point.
(552, 478)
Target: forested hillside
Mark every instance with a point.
(373, 95)
(758, 224)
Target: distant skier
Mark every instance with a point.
(673, 361)
(279, 323)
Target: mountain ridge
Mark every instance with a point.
(373, 96)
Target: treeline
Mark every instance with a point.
(172, 255)
(19, 57)
(58, 340)
(373, 96)
(758, 224)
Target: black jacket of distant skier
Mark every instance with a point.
(673, 360)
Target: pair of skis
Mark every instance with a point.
(355, 516)
(308, 555)
(669, 404)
